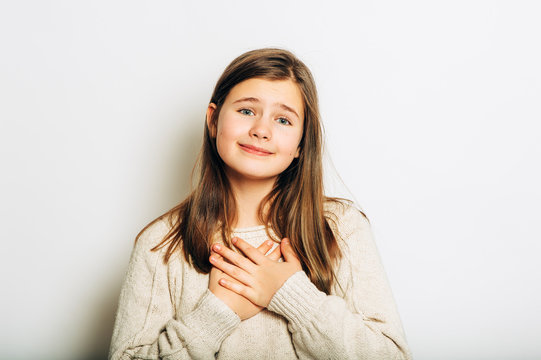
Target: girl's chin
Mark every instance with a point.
(235, 175)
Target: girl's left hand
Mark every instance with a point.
(259, 277)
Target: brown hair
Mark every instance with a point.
(295, 204)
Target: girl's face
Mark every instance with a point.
(259, 128)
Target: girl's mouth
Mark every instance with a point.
(255, 150)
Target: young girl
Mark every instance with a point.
(257, 263)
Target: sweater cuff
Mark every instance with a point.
(297, 299)
(213, 319)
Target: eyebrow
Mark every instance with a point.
(256, 100)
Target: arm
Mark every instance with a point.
(364, 324)
(145, 325)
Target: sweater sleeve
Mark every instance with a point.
(361, 323)
(146, 326)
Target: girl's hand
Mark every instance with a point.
(257, 277)
(240, 305)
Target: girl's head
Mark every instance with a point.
(279, 76)
(258, 130)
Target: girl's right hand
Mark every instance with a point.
(243, 307)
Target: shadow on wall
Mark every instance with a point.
(101, 330)
(183, 145)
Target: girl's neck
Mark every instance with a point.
(248, 195)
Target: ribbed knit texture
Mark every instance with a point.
(167, 311)
(296, 299)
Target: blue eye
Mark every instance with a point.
(246, 112)
(283, 121)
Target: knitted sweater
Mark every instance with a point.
(167, 311)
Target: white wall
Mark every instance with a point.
(433, 121)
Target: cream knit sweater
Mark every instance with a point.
(167, 311)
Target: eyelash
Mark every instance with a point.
(243, 112)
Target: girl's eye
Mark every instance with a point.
(246, 112)
(283, 121)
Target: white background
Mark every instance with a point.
(432, 117)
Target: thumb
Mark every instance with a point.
(287, 251)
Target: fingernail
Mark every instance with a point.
(217, 247)
(285, 241)
(213, 258)
(269, 242)
(234, 240)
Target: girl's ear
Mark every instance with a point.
(211, 124)
(298, 152)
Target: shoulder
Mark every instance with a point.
(150, 237)
(152, 234)
(344, 217)
(353, 234)
(147, 259)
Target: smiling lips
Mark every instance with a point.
(255, 150)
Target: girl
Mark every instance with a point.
(257, 262)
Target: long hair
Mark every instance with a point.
(295, 206)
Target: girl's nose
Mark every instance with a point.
(260, 129)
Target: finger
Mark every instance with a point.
(265, 246)
(234, 271)
(240, 289)
(287, 251)
(223, 275)
(234, 257)
(275, 254)
(219, 256)
(249, 250)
